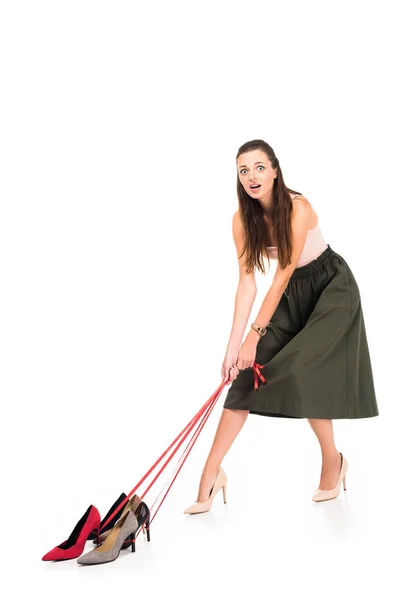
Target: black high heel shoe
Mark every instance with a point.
(131, 505)
(110, 525)
(142, 513)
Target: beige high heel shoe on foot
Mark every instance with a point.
(200, 507)
(321, 495)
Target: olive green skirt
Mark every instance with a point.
(315, 352)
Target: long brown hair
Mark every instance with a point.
(251, 213)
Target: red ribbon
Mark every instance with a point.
(200, 418)
(257, 368)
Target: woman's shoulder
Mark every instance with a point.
(306, 203)
(237, 220)
(299, 198)
(237, 226)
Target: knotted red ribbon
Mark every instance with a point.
(257, 368)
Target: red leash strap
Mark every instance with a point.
(186, 453)
(204, 411)
(257, 368)
(201, 418)
(192, 441)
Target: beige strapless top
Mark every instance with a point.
(313, 247)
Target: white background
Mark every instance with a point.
(120, 123)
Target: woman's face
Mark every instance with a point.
(254, 168)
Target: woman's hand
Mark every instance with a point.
(248, 350)
(229, 369)
(234, 362)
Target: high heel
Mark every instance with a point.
(132, 505)
(224, 491)
(111, 524)
(321, 495)
(121, 536)
(74, 545)
(109, 550)
(142, 513)
(200, 507)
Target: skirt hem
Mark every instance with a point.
(287, 416)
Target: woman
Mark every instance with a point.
(309, 334)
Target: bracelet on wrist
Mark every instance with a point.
(260, 330)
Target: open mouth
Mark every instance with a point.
(255, 187)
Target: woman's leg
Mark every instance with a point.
(230, 423)
(331, 460)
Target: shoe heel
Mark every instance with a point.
(133, 542)
(147, 527)
(344, 483)
(224, 492)
(95, 536)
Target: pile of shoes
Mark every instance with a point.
(110, 535)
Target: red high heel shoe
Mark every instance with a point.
(75, 544)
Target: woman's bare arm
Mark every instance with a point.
(300, 221)
(246, 290)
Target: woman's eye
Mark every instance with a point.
(259, 167)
